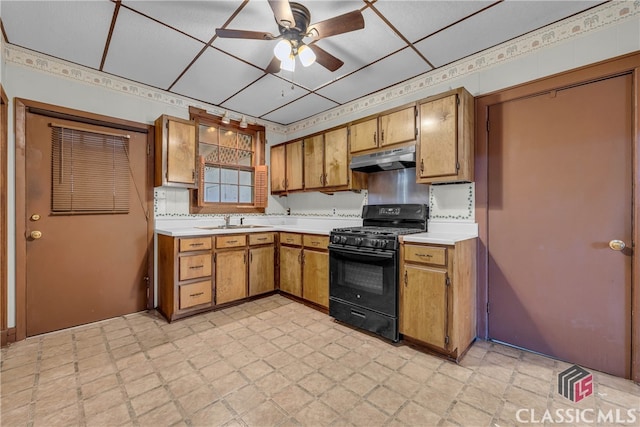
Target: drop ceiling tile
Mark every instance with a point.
(302, 108)
(387, 72)
(263, 96)
(497, 24)
(196, 18)
(417, 19)
(146, 51)
(70, 30)
(215, 76)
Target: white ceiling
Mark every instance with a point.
(171, 45)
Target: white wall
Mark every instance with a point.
(613, 33)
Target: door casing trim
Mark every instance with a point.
(21, 107)
(625, 64)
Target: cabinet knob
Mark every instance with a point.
(35, 234)
(617, 245)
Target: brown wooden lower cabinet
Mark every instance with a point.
(198, 273)
(437, 295)
(304, 267)
(185, 279)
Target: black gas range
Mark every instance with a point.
(363, 266)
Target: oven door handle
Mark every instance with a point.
(362, 254)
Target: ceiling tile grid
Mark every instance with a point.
(163, 44)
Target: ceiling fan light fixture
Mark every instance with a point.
(225, 118)
(307, 56)
(282, 49)
(288, 64)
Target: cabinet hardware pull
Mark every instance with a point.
(374, 137)
(251, 257)
(382, 135)
(405, 278)
(421, 165)
(232, 241)
(425, 255)
(193, 267)
(321, 179)
(196, 294)
(196, 244)
(262, 239)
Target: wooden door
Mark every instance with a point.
(278, 173)
(364, 135)
(559, 190)
(290, 270)
(397, 127)
(314, 162)
(261, 270)
(295, 159)
(82, 267)
(439, 138)
(231, 275)
(315, 277)
(424, 304)
(336, 163)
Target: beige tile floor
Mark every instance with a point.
(275, 362)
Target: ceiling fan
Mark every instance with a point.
(293, 22)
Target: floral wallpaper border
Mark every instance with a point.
(592, 20)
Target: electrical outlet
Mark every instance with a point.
(334, 212)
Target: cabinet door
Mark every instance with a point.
(294, 159)
(397, 127)
(314, 162)
(439, 138)
(424, 305)
(291, 270)
(315, 277)
(278, 172)
(364, 135)
(176, 152)
(336, 158)
(231, 276)
(261, 270)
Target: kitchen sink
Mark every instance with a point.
(229, 227)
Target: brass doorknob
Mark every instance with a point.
(35, 234)
(617, 245)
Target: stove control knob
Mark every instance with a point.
(343, 239)
(359, 241)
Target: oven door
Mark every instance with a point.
(364, 277)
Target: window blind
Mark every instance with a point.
(90, 171)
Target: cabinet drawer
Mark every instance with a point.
(195, 244)
(316, 241)
(425, 254)
(291, 239)
(195, 294)
(193, 266)
(260, 238)
(230, 241)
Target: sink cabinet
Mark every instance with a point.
(231, 268)
(261, 263)
(437, 296)
(176, 152)
(185, 280)
(444, 152)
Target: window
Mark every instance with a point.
(90, 172)
(231, 167)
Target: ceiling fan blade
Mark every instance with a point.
(273, 67)
(243, 34)
(340, 24)
(325, 59)
(282, 12)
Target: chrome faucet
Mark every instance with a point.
(227, 220)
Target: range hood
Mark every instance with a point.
(398, 158)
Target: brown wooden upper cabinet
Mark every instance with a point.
(444, 151)
(394, 127)
(326, 160)
(176, 149)
(286, 167)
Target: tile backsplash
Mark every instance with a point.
(447, 203)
